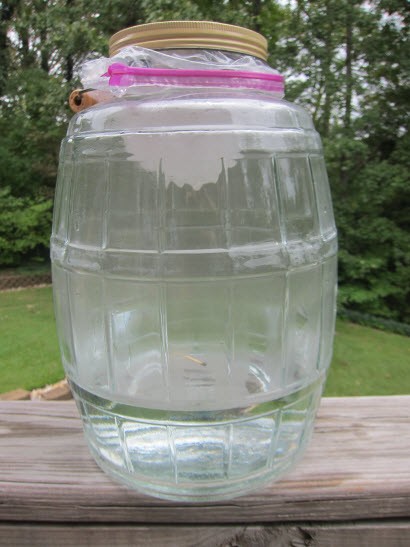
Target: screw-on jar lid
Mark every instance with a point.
(191, 35)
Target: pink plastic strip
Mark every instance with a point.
(123, 75)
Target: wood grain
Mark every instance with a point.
(357, 467)
(369, 534)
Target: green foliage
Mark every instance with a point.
(25, 225)
(32, 125)
(346, 61)
(375, 322)
(165, 10)
(372, 207)
(349, 65)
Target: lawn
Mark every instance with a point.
(366, 361)
(29, 355)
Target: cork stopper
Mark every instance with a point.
(80, 99)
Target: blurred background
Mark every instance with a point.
(346, 61)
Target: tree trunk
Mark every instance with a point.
(44, 53)
(25, 47)
(348, 66)
(69, 62)
(6, 13)
(256, 12)
(327, 62)
(69, 68)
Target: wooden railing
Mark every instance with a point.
(351, 489)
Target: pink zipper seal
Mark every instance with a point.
(121, 75)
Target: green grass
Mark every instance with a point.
(29, 355)
(366, 361)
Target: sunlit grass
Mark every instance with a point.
(368, 362)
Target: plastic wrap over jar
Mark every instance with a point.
(194, 272)
(139, 66)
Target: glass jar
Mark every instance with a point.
(194, 270)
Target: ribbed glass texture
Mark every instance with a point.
(194, 273)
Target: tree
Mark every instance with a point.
(346, 61)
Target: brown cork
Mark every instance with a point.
(80, 100)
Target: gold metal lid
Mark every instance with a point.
(191, 35)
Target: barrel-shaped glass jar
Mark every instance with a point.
(194, 273)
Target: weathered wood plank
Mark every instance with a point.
(369, 534)
(357, 467)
